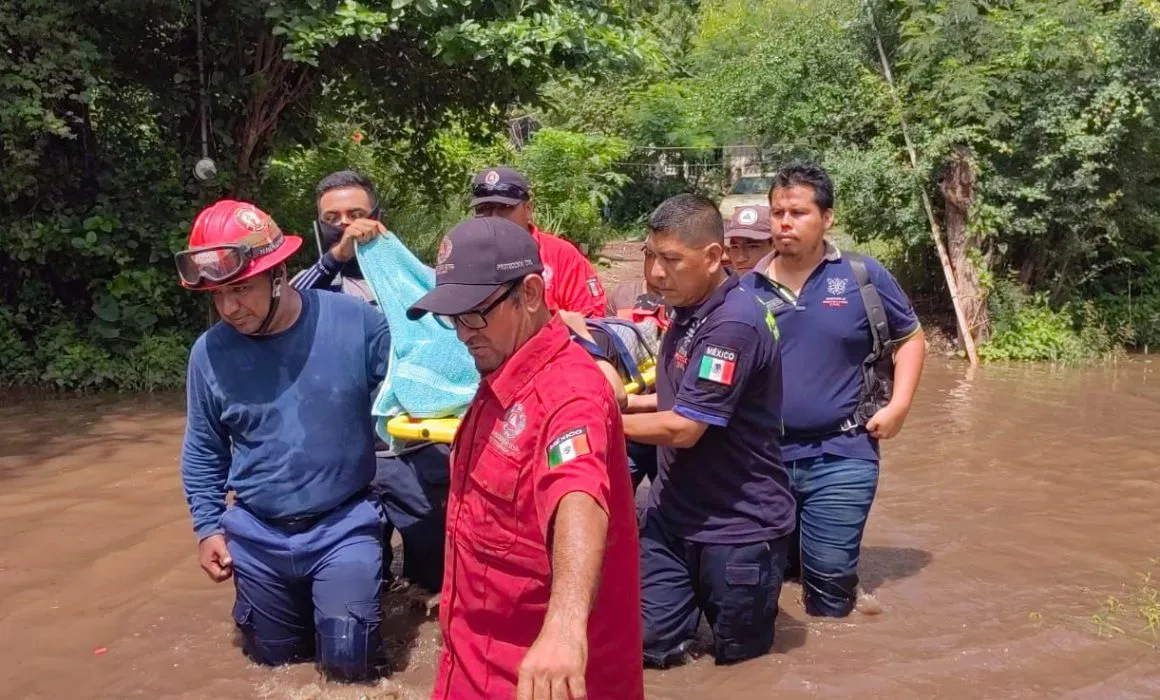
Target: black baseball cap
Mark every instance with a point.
(477, 257)
(500, 185)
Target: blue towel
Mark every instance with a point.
(431, 374)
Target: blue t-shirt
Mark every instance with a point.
(825, 337)
(284, 420)
(720, 366)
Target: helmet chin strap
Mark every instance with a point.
(275, 297)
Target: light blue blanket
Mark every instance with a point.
(431, 374)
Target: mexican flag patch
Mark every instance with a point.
(568, 447)
(718, 365)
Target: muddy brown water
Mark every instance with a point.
(1012, 505)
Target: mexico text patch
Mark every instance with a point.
(568, 447)
(718, 365)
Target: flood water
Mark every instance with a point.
(1010, 508)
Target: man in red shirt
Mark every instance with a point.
(541, 584)
(570, 280)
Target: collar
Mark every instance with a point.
(536, 232)
(715, 300)
(832, 254)
(529, 359)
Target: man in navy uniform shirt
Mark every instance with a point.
(832, 456)
(717, 527)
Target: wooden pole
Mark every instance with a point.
(935, 231)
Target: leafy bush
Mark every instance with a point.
(1027, 329)
(1137, 315)
(573, 178)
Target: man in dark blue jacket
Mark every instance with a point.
(279, 401)
(412, 481)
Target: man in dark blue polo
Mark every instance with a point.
(831, 454)
(717, 527)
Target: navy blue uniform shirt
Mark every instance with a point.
(825, 337)
(284, 420)
(720, 366)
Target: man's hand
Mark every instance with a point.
(359, 231)
(554, 667)
(886, 423)
(214, 558)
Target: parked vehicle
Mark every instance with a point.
(748, 190)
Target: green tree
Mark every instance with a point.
(100, 124)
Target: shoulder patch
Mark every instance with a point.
(718, 364)
(594, 286)
(568, 446)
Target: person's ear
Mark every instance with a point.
(532, 293)
(714, 256)
(827, 220)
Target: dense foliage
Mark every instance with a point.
(1035, 126)
(100, 127)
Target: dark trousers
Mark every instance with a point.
(735, 585)
(413, 489)
(312, 594)
(642, 462)
(834, 495)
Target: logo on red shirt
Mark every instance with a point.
(514, 422)
(594, 286)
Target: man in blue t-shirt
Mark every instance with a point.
(832, 456)
(717, 527)
(279, 412)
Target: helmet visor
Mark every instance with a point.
(213, 264)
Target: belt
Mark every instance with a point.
(847, 426)
(302, 523)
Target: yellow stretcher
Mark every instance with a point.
(443, 429)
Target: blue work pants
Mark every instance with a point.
(310, 594)
(735, 585)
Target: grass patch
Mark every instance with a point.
(1134, 614)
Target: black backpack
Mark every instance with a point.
(878, 367)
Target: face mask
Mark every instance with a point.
(329, 235)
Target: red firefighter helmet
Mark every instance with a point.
(231, 241)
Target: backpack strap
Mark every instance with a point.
(875, 310)
(626, 358)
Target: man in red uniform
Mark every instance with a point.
(541, 584)
(570, 280)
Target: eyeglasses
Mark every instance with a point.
(475, 320)
(219, 263)
(499, 189)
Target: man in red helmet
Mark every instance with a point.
(279, 412)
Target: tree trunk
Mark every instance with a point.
(958, 188)
(279, 83)
(966, 336)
